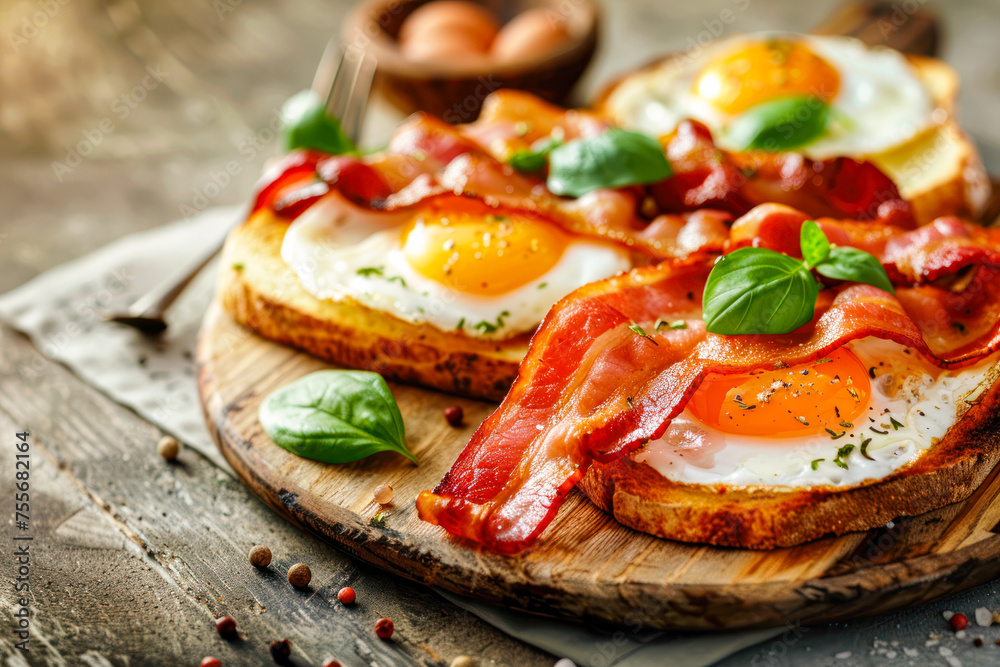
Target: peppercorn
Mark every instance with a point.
(454, 415)
(384, 628)
(209, 661)
(168, 448)
(463, 661)
(260, 556)
(382, 494)
(332, 663)
(225, 625)
(958, 622)
(299, 575)
(977, 642)
(346, 595)
(281, 650)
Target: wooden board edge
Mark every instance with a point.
(874, 589)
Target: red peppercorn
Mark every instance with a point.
(959, 622)
(225, 625)
(332, 663)
(346, 595)
(454, 415)
(280, 650)
(384, 628)
(209, 661)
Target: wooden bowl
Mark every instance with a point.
(455, 90)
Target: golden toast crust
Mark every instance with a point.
(770, 517)
(262, 293)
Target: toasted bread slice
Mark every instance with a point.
(938, 171)
(767, 517)
(262, 293)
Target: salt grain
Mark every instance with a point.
(984, 617)
(843, 655)
(947, 615)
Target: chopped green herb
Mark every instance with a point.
(871, 372)
(542, 285)
(958, 326)
(834, 435)
(842, 455)
(461, 323)
(875, 430)
(639, 331)
(369, 271)
(237, 267)
(489, 327)
(895, 424)
(378, 520)
(824, 360)
(847, 424)
(864, 448)
(676, 324)
(816, 462)
(397, 279)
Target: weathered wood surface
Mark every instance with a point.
(135, 557)
(104, 598)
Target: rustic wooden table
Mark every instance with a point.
(114, 117)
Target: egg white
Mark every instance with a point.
(334, 258)
(881, 102)
(923, 399)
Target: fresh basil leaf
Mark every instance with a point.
(781, 124)
(536, 157)
(335, 417)
(306, 124)
(614, 159)
(815, 246)
(758, 291)
(846, 263)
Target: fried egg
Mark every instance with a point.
(482, 272)
(861, 413)
(875, 97)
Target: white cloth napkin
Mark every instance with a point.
(61, 312)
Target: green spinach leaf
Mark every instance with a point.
(335, 417)
(536, 157)
(306, 124)
(815, 246)
(780, 125)
(846, 263)
(614, 159)
(758, 291)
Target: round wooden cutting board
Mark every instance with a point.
(585, 565)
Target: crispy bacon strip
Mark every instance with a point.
(937, 250)
(428, 159)
(594, 387)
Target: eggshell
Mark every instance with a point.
(445, 19)
(530, 34)
(443, 47)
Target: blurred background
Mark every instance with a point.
(117, 115)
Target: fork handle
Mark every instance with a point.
(156, 301)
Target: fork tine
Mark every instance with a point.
(354, 114)
(329, 64)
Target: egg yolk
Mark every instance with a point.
(482, 253)
(763, 72)
(826, 396)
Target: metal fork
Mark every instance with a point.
(351, 71)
